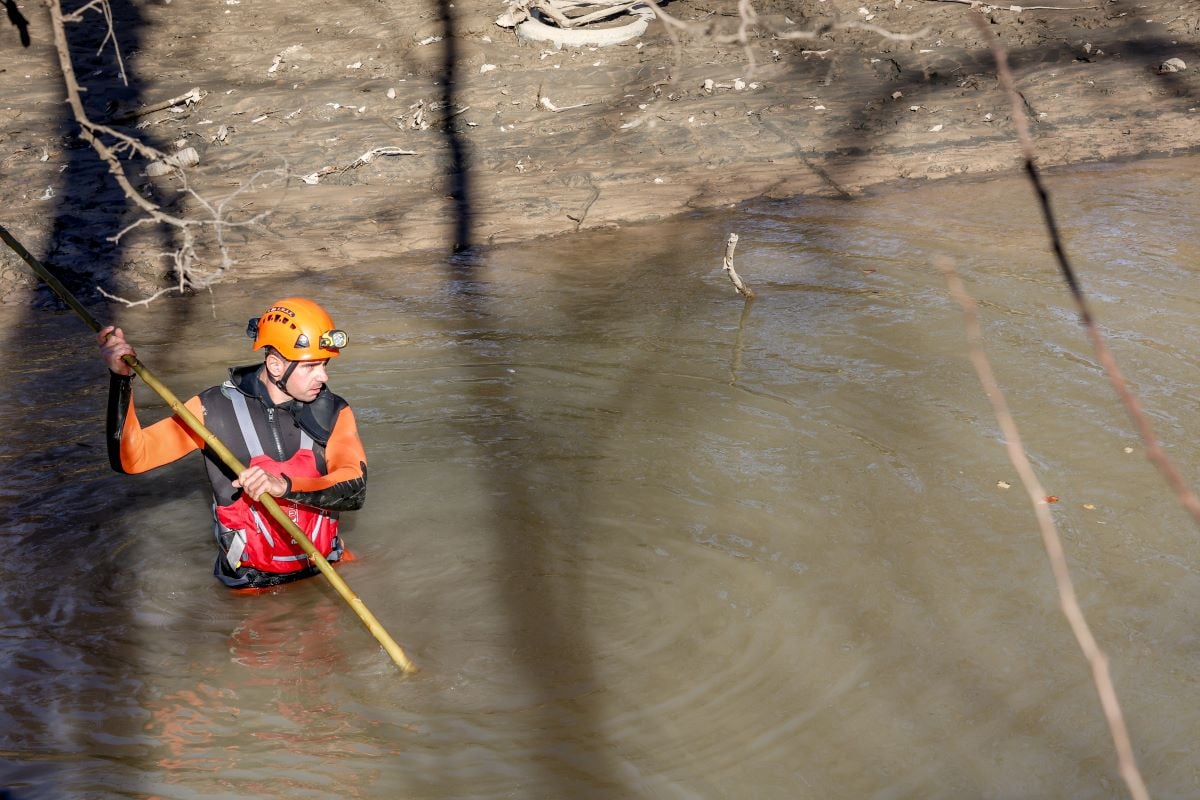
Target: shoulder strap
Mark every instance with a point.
(242, 411)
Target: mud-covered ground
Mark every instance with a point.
(305, 89)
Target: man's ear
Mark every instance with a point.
(275, 365)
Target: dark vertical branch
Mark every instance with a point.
(1153, 448)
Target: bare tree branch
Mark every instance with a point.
(1153, 448)
(111, 144)
(110, 32)
(1050, 538)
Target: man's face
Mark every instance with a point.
(307, 380)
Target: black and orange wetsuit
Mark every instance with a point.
(315, 446)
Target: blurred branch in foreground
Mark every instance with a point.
(1050, 538)
(1154, 450)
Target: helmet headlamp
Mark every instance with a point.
(334, 340)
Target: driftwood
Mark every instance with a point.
(190, 97)
(742, 289)
(365, 158)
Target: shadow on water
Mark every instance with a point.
(540, 523)
(69, 631)
(538, 540)
(974, 676)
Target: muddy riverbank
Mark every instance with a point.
(476, 155)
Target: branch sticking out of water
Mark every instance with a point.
(1050, 538)
(742, 289)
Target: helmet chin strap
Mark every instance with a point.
(282, 380)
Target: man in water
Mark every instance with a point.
(299, 440)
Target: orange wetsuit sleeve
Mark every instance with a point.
(143, 449)
(345, 460)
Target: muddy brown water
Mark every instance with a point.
(642, 542)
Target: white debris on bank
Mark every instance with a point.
(548, 21)
(366, 158)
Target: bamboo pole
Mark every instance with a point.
(228, 458)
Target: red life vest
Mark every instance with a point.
(257, 540)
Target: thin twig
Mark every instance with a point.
(548, 104)
(185, 259)
(672, 26)
(1153, 448)
(365, 158)
(595, 194)
(1050, 538)
(112, 145)
(1154, 452)
(90, 131)
(109, 34)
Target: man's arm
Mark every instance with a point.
(132, 448)
(344, 486)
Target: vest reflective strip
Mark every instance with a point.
(245, 423)
(237, 546)
(312, 537)
(262, 528)
(237, 541)
(254, 447)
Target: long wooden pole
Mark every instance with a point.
(230, 460)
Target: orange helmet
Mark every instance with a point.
(299, 329)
